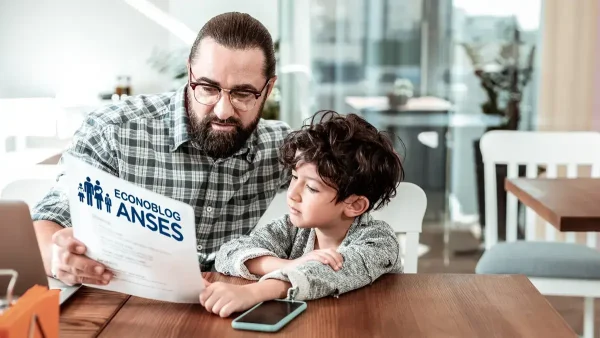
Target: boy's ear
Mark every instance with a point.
(356, 206)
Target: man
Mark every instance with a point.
(204, 145)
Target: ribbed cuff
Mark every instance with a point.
(294, 277)
(240, 265)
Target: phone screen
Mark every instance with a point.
(269, 312)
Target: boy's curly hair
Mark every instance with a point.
(350, 154)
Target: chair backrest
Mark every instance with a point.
(533, 149)
(404, 214)
(29, 184)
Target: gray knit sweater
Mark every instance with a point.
(370, 250)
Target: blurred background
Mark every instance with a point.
(436, 73)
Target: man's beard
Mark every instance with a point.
(219, 143)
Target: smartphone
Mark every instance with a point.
(269, 316)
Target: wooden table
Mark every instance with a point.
(421, 305)
(567, 204)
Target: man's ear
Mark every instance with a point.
(356, 206)
(271, 86)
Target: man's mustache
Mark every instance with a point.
(229, 121)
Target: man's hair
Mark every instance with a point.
(350, 154)
(238, 31)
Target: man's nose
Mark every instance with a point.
(223, 108)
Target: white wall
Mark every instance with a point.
(51, 47)
(80, 46)
(196, 13)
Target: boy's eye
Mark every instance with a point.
(311, 189)
(294, 177)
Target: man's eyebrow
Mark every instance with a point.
(244, 86)
(209, 81)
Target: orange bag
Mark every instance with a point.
(34, 314)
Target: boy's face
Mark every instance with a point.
(312, 203)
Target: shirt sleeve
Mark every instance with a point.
(373, 252)
(270, 239)
(89, 145)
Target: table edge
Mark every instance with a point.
(548, 214)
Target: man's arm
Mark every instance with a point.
(271, 242)
(51, 214)
(44, 231)
(373, 253)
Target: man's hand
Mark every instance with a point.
(224, 299)
(70, 265)
(326, 256)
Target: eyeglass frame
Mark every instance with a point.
(194, 84)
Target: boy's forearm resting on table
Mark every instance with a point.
(269, 289)
(268, 240)
(363, 264)
(261, 266)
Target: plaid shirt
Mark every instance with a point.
(144, 140)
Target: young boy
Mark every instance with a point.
(342, 168)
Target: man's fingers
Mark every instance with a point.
(83, 263)
(71, 279)
(64, 239)
(82, 274)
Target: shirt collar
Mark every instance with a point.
(180, 122)
(363, 219)
(179, 119)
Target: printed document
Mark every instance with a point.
(147, 240)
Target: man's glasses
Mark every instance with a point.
(208, 94)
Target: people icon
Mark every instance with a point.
(88, 187)
(98, 195)
(80, 194)
(108, 203)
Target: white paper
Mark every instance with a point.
(147, 240)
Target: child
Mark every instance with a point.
(342, 168)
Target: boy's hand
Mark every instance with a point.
(224, 299)
(326, 256)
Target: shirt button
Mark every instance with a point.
(199, 247)
(209, 209)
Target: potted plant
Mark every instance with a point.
(401, 92)
(503, 79)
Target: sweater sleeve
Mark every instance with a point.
(373, 252)
(271, 239)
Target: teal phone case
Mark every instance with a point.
(266, 327)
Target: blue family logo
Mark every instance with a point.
(136, 210)
(89, 192)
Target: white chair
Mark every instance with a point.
(404, 213)
(28, 184)
(555, 268)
